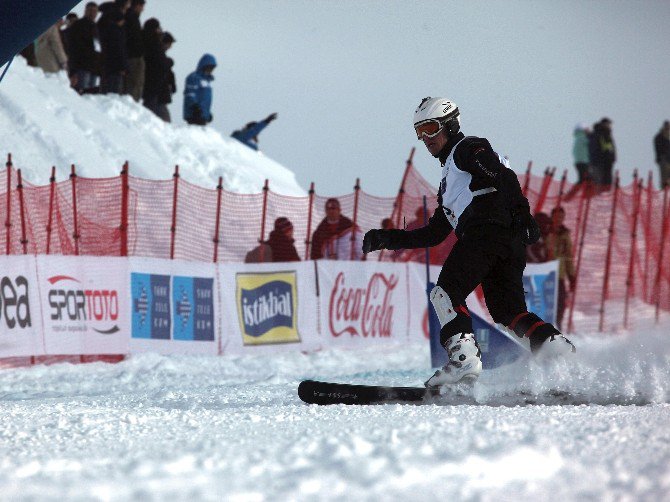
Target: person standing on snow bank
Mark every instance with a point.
(481, 201)
(662, 152)
(249, 133)
(49, 50)
(198, 92)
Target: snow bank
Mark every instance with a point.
(43, 123)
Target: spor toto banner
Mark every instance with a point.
(84, 304)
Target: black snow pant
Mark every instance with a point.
(488, 255)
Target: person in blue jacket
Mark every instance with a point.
(249, 133)
(198, 92)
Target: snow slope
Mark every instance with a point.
(232, 428)
(43, 123)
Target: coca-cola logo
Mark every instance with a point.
(367, 311)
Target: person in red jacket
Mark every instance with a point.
(281, 241)
(333, 224)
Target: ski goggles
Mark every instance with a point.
(430, 128)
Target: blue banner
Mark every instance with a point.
(150, 297)
(193, 300)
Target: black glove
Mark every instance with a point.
(271, 117)
(375, 240)
(525, 227)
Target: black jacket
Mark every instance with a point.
(662, 147)
(602, 150)
(157, 71)
(476, 157)
(112, 40)
(82, 54)
(134, 39)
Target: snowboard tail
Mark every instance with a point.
(315, 392)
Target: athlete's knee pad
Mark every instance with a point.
(454, 319)
(530, 325)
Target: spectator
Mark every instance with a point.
(113, 45)
(387, 224)
(158, 88)
(249, 133)
(84, 60)
(333, 224)
(70, 19)
(169, 83)
(342, 247)
(49, 51)
(559, 244)
(538, 252)
(281, 241)
(580, 152)
(602, 153)
(198, 92)
(28, 53)
(662, 150)
(134, 83)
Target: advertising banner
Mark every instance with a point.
(268, 307)
(173, 306)
(20, 320)
(363, 303)
(84, 304)
(540, 282)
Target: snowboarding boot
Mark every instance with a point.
(464, 365)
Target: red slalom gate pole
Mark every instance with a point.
(123, 227)
(19, 187)
(308, 238)
(217, 225)
(647, 232)
(637, 199)
(75, 234)
(175, 200)
(357, 189)
(52, 186)
(586, 194)
(661, 253)
(8, 218)
(266, 189)
(526, 181)
(608, 258)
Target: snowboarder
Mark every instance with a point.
(481, 201)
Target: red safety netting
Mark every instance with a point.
(620, 237)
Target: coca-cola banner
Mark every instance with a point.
(363, 303)
(173, 306)
(84, 304)
(268, 307)
(20, 320)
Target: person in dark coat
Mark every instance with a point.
(158, 69)
(602, 153)
(333, 224)
(198, 92)
(84, 59)
(114, 49)
(134, 83)
(281, 241)
(169, 84)
(662, 151)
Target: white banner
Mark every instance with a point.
(173, 306)
(20, 320)
(268, 307)
(84, 304)
(363, 303)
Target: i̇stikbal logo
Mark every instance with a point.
(74, 308)
(266, 306)
(14, 303)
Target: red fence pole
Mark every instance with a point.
(123, 227)
(587, 193)
(546, 182)
(266, 189)
(561, 188)
(637, 199)
(308, 238)
(401, 191)
(661, 252)
(175, 200)
(608, 258)
(217, 226)
(647, 248)
(8, 218)
(526, 182)
(357, 190)
(75, 234)
(52, 186)
(19, 187)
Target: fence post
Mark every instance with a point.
(561, 188)
(647, 232)
(661, 252)
(52, 187)
(217, 226)
(401, 191)
(548, 176)
(608, 259)
(308, 238)
(175, 200)
(266, 189)
(587, 193)
(357, 189)
(75, 234)
(19, 187)
(526, 182)
(637, 199)
(123, 227)
(8, 218)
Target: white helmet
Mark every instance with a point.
(440, 109)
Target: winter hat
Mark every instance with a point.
(282, 224)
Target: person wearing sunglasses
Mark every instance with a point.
(481, 201)
(330, 227)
